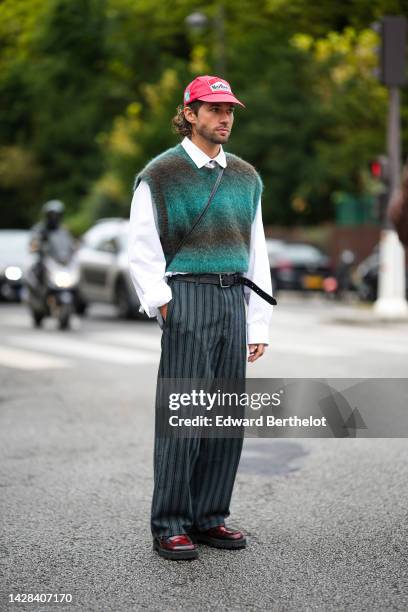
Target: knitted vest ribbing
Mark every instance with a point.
(180, 190)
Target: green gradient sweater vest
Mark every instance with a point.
(180, 191)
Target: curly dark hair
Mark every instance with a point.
(179, 122)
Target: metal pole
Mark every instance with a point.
(394, 139)
(220, 55)
(391, 302)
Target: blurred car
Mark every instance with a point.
(104, 269)
(273, 247)
(365, 277)
(14, 252)
(297, 266)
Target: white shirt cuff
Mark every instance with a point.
(156, 296)
(258, 333)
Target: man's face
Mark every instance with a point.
(213, 122)
(53, 220)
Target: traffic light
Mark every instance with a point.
(379, 171)
(379, 168)
(375, 168)
(393, 32)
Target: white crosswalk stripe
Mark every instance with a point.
(83, 349)
(28, 360)
(313, 349)
(335, 344)
(302, 337)
(138, 339)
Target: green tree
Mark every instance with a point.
(355, 104)
(88, 89)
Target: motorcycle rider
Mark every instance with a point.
(49, 237)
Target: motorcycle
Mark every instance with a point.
(52, 290)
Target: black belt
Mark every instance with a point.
(224, 281)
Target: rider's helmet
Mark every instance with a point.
(53, 212)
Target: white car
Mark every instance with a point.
(104, 268)
(14, 256)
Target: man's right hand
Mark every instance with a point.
(163, 311)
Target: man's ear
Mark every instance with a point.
(190, 115)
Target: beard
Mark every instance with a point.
(213, 137)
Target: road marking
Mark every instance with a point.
(151, 342)
(28, 360)
(392, 349)
(309, 349)
(83, 349)
(134, 338)
(15, 320)
(336, 344)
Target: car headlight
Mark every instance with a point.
(13, 273)
(64, 279)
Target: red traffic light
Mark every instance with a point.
(379, 168)
(376, 169)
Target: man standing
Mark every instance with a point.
(197, 288)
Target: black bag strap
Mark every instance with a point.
(200, 216)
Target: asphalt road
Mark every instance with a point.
(326, 518)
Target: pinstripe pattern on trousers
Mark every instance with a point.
(204, 336)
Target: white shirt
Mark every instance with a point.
(148, 264)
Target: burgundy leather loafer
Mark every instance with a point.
(176, 548)
(220, 537)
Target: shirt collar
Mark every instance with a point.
(199, 157)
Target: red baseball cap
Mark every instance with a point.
(209, 89)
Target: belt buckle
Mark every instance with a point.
(221, 285)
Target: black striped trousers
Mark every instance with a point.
(204, 336)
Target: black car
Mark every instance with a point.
(297, 266)
(14, 252)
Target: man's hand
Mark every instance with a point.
(163, 311)
(255, 351)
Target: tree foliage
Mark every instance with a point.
(88, 89)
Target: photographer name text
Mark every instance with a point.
(260, 421)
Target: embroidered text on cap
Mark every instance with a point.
(220, 86)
